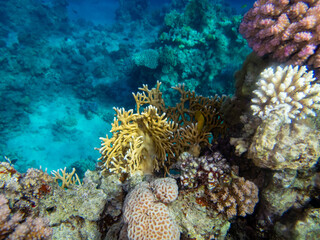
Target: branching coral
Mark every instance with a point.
(139, 142)
(238, 198)
(197, 117)
(280, 137)
(229, 194)
(66, 179)
(149, 139)
(147, 217)
(208, 107)
(287, 30)
(289, 92)
(151, 97)
(210, 170)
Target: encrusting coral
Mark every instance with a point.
(145, 215)
(289, 92)
(16, 226)
(276, 145)
(287, 30)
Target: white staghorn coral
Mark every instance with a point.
(289, 92)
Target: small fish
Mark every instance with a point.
(11, 161)
(244, 6)
(200, 119)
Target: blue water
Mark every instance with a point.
(65, 64)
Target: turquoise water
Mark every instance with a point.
(65, 64)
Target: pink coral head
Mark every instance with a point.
(288, 31)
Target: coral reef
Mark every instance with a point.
(305, 227)
(79, 210)
(20, 197)
(267, 187)
(287, 30)
(195, 217)
(287, 189)
(25, 190)
(145, 214)
(289, 92)
(148, 58)
(200, 25)
(14, 226)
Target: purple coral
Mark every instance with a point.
(287, 30)
(209, 170)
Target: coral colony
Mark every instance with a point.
(180, 165)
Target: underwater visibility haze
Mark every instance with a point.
(150, 119)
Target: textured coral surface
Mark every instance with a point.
(239, 198)
(146, 217)
(277, 145)
(16, 226)
(289, 92)
(287, 30)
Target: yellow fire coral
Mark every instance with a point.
(139, 142)
(150, 138)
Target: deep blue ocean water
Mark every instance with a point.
(65, 64)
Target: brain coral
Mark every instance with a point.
(288, 92)
(165, 189)
(287, 30)
(146, 217)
